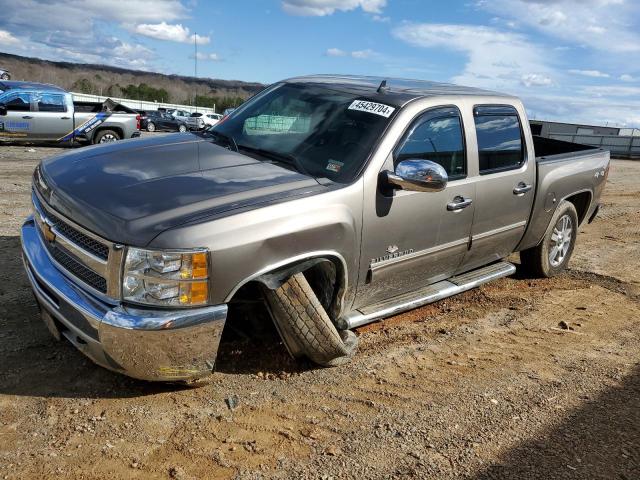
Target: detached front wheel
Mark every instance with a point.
(552, 255)
(305, 327)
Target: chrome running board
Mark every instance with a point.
(430, 294)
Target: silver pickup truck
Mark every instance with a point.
(330, 201)
(36, 112)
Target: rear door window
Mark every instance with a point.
(436, 135)
(500, 141)
(51, 102)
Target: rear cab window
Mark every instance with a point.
(500, 138)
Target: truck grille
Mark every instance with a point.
(91, 260)
(76, 268)
(98, 249)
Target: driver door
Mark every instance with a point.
(18, 125)
(412, 239)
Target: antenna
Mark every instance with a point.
(383, 87)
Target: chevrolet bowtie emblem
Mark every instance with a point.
(392, 248)
(48, 232)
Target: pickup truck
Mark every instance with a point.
(36, 112)
(326, 202)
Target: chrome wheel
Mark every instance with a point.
(560, 240)
(182, 128)
(109, 137)
(151, 127)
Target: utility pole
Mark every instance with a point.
(195, 68)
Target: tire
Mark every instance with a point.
(106, 136)
(305, 327)
(552, 255)
(5, 77)
(151, 127)
(182, 128)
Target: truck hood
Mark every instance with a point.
(130, 191)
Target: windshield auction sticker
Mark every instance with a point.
(372, 107)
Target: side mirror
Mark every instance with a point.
(3, 109)
(418, 175)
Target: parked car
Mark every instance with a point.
(227, 111)
(180, 115)
(164, 122)
(198, 120)
(336, 201)
(36, 112)
(5, 75)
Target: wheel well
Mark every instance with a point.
(325, 275)
(581, 202)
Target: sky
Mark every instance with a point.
(569, 60)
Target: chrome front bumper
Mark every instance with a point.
(149, 344)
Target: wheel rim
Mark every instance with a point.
(109, 137)
(182, 128)
(151, 127)
(560, 240)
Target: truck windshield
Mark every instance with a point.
(320, 131)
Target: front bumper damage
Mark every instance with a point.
(148, 344)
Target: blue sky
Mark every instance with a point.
(570, 60)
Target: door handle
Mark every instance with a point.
(521, 189)
(65, 118)
(459, 203)
(27, 117)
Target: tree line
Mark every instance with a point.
(148, 93)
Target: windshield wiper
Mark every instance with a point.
(278, 157)
(227, 138)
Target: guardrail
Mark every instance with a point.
(619, 146)
(140, 104)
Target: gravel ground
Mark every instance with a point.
(485, 385)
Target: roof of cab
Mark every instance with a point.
(15, 85)
(398, 90)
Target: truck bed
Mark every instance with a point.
(564, 169)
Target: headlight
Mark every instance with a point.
(166, 278)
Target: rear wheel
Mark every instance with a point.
(151, 127)
(182, 128)
(5, 76)
(552, 255)
(106, 136)
(305, 327)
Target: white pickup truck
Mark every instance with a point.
(36, 112)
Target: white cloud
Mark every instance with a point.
(363, 54)
(335, 52)
(320, 8)
(359, 54)
(589, 73)
(75, 30)
(580, 22)
(173, 33)
(7, 39)
(380, 18)
(535, 80)
(627, 78)
(521, 61)
(213, 57)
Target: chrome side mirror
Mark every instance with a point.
(418, 175)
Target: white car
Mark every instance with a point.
(198, 121)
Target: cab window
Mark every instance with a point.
(51, 102)
(500, 144)
(436, 135)
(17, 102)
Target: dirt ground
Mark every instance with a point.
(485, 385)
